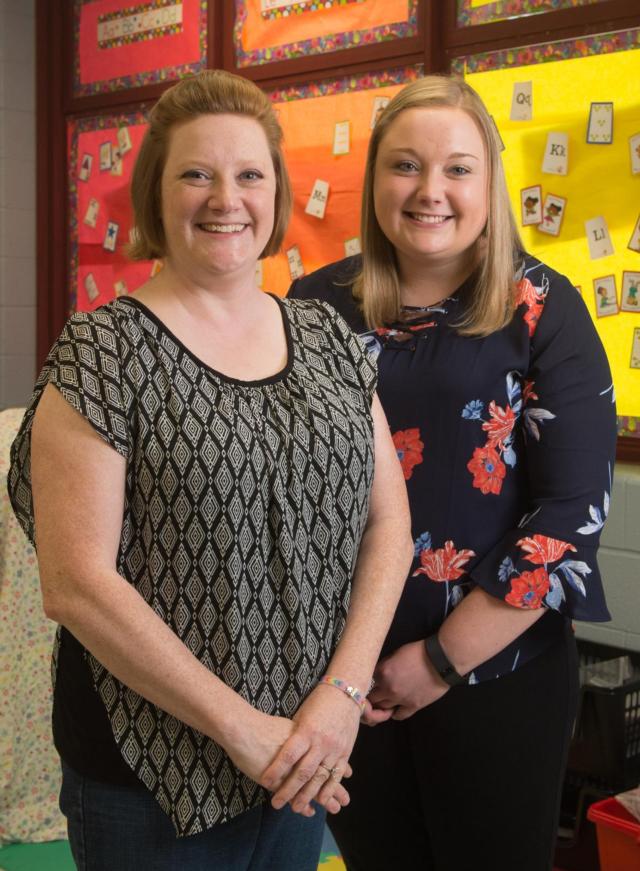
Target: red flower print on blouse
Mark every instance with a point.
(527, 392)
(444, 564)
(409, 447)
(500, 426)
(529, 589)
(533, 298)
(542, 549)
(487, 469)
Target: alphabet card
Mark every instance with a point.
(605, 296)
(600, 126)
(105, 156)
(598, 238)
(317, 202)
(634, 241)
(522, 101)
(552, 214)
(531, 205)
(91, 215)
(556, 154)
(352, 247)
(379, 105)
(634, 150)
(296, 266)
(111, 236)
(85, 167)
(120, 287)
(91, 287)
(124, 140)
(341, 138)
(635, 349)
(629, 301)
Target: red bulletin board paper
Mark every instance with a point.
(260, 33)
(112, 193)
(102, 64)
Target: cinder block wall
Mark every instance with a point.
(619, 560)
(17, 202)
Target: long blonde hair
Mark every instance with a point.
(492, 303)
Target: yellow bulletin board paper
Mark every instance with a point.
(599, 181)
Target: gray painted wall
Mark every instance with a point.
(17, 202)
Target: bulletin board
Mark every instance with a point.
(331, 150)
(120, 45)
(602, 180)
(277, 30)
(102, 152)
(472, 12)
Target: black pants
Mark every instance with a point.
(470, 783)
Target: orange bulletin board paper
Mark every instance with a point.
(101, 199)
(566, 78)
(309, 154)
(305, 28)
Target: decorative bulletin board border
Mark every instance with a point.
(399, 76)
(76, 128)
(469, 15)
(138, 79)
(304, 6)
(606, 43)
(320, 44)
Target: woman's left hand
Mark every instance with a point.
(405, 681)
(326, 725)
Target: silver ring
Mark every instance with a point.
(332, 772)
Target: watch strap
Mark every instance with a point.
(441, 663)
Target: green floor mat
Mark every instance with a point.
(54, 856)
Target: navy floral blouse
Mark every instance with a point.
(507, 444)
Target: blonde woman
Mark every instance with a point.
(199, 465)
(499, 399)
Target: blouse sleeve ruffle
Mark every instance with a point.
(569, 421)
(85, 366)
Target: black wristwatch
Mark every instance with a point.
(441, 662)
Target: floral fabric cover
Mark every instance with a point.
(29, 764)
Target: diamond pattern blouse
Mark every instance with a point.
(245, 504)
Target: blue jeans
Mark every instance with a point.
(122, 828)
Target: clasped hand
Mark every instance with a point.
(405, 682)
(312, 753)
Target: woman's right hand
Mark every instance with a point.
(257, 743)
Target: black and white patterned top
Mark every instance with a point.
(244, 508)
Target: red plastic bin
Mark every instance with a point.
(618, 836)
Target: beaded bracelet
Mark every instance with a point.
(346, 688)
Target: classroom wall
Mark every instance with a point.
(619, 560)
(17, 202)
(620, 553)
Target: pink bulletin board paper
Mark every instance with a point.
(127, 61)
(87, 251)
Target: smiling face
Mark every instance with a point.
(218, 192)
(431, 187)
